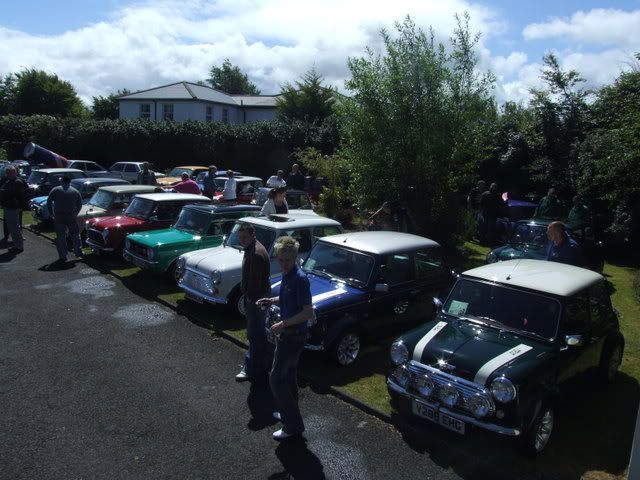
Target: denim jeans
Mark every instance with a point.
(13, 219)
(284, 380)
(258, 358)
(62, 226)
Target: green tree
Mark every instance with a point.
(39, 92)
(230, 79)
(107, 107)
(307, 100)
(417, 123)
(7, 94)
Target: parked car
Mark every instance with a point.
(129, 171)
(150, 211)
(40, 182)
(213, 275)
(502, 346)
(246, 187)
(175, 175)
(297, 200)
(92, 169)
(516, 210)
(366, 285)
(199, 178)
(86, 186)
(111, 201)
(528, 239)
(197, 227)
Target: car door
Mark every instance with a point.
(214, 234)
(573, 360)
(602, 319)
(130, 172)
(433, 279)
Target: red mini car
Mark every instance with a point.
(151, 211)
(247, 186)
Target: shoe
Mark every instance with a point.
(242, 376)
(277, 416)
(79, 255)
(282, 435)
(62, 260)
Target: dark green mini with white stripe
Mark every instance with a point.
(501, 346)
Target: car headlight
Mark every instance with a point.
(151, 253)
(449, 394)
(425, 385)
(480, 405)
(492, 257)
(105, 233)
(503, 390)
(180, 264)
(215, 277)
(402, 375)
(399, 353)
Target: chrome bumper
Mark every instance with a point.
(512, 432)
(205, 296)
(138, 260)
(101, 248)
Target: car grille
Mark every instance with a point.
(95, 236)
(197, 281)
(465, 388)
(138, 249)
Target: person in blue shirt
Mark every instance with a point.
(562, 248)
(291, 332)
(209, 181)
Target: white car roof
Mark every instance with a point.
(58, 170)
(240, 178)
(172, 196)
(381, 243)
(540, 275)
(285, 222)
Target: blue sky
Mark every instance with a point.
(104, 45)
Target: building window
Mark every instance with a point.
(225, 115)
(167, 111)
(209, 114)
(145, 110)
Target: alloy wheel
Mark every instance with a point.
(543, 433)
(348, 349)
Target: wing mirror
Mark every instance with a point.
(574, 340)
(382, 287)
(455, 273)
(437, 303)
(153, 218)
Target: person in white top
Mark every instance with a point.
(230, 187)
(276, 181)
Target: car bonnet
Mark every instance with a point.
(325, 294)
(166, 237)
(219, 258)
(510, 252)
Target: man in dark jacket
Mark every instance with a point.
(491, 207)
(13, 193)
(64, 203)
(295, 178)
(255, 284)
(562, 248)
(550, 206)
(146, 176)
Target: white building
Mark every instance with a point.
(184, 101)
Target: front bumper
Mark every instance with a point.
(192, 292)
(500, 429)
(139, 261)
(99, 248)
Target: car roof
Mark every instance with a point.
(99, 180)
(59, 170)
(540, 275)
(381, 243)
(540, 222)
(239, 178)
(130, 188)
(209, 208)
(83, 161)
(193, 167)
(156, 197)
(290, 190)
(285, 222)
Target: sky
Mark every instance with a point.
(103, 46)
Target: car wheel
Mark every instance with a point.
(236, 302)
(611, 360)
(537, 439)
(346, 348)
(401, 307)
(172, 273)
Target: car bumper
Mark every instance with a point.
(500, 429)
(99, 248)
(141, 262)
(198, 295)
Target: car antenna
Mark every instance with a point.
(512, 270)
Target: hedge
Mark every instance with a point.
(255, 148)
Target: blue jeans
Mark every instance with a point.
(284, 380)
(13, 222)
(62, 226)
(258, 358)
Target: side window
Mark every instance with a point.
(599, 303)
(92, 167)
(319, 232)
(129, 168)
(166, 211)
(576, 312)
(214, 229)
(119, 200)
(117, 167)
(399, 269)
(304, 239)
(428, 263)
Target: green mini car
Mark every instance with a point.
(198, 226)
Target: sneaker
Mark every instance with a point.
(276, 415)
(282, 435)
(242, 376)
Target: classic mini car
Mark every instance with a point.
(86, 186)
(502, 346)
(175, 175)
(246, 187)
(197, 227)
(515, 210)
(213, 275)
(297, 200)
(528, 239)
(129, 171)
(111, 200)
(92, 169)
(368, 284)
(41, 182)
(150, 211)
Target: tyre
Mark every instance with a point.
(346, 348)
(611, 359)
(537, 438)
(172, 274)
(236, 302)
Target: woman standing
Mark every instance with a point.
(276, 202)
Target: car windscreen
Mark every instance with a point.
(220, 183)
(298, 201)
(504, 307)
(176, 172)
(101, 199)
(192, 221)
(140, 208)
(36, 177)
(341, 263)
(524, 233)
(264, 235)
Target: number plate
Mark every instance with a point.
(195, 298)
(433, 415)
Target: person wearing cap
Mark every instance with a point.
(229, 193)
(295, 178)
(562, 248)
(146, 176)
(276, 202)
(209, 181)
(186, 185)
(13, 193)
(277, 180)
(64, 203)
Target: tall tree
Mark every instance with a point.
(230, 79)
(109, 106)
(39, 92)
(307, 99)
(7, 93)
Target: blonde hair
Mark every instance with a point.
(286, 247)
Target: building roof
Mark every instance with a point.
(193, 91)
(540, 275)
(170, 196)
(381, 243)
(287, 222)
(131, 188)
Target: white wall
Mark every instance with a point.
(187, 110)
(260, 114)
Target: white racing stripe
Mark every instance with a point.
(492, 365)
(417, 352)
(323, 296)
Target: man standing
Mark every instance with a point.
(295, 178)
(277, 180)
(255, 284)
(64, 203)
(12, 197)
(296, 310)
(561, 248)
(210, 181)
(146, 176)
(187, 185)
(579, 215)
(491, 206)
(550, 206)
(473, 199)
(229, 192)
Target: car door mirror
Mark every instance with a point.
(382, 287)
(455, 273)
(153, 218)
(437, 303)
(574, 340)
